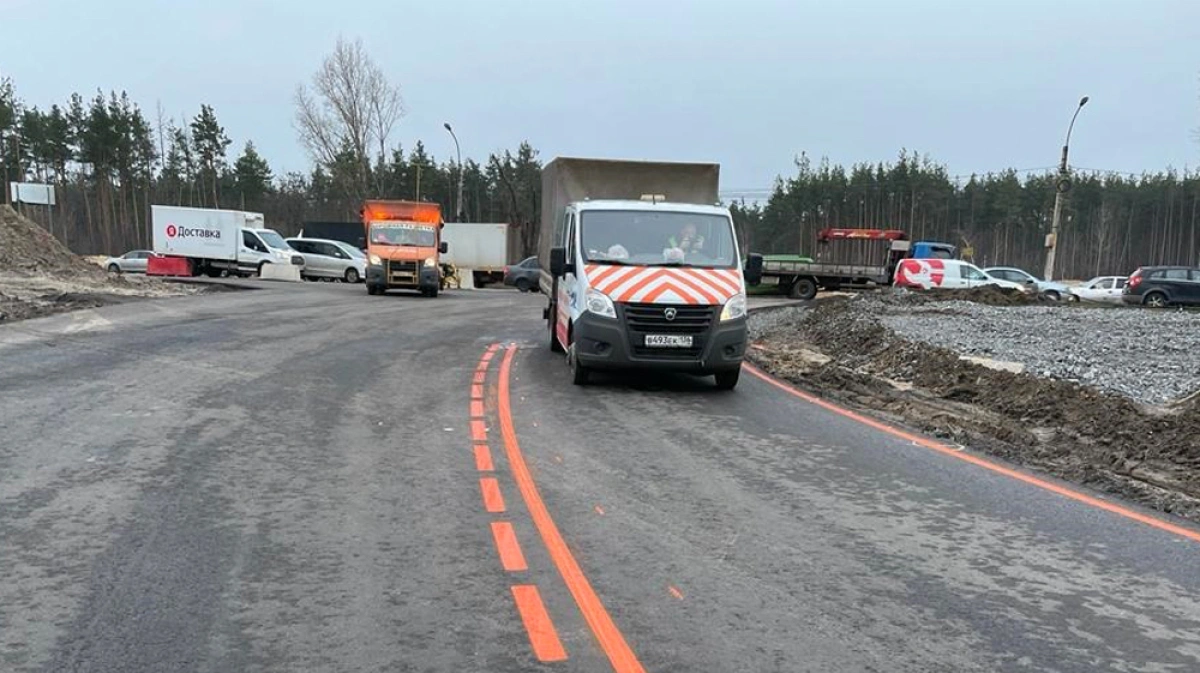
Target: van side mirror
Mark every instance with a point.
(444, 248)
(753, 270)
(558, 262)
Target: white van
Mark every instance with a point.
(949, 274)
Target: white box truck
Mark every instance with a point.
(642, 268)
(220, 242)
(481, 247)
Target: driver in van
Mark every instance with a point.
(687, 240)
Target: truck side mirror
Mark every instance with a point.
(558, 262)
(444, 248)
(753, 270)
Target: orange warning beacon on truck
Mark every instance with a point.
(404, 245)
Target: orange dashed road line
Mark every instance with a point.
(542, 636)
(478, 431)
(477, 391)
(476, 408)
(483, 458)
(492, 500)
(612, 643)
(986, 464)
(480, 377)
(507, 546)
(675, 592)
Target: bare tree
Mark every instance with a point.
(349, 108)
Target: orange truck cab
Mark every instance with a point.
(404, 243)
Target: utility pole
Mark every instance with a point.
(458, 208)
(1061, 187)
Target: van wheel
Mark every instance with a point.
(579, 373)
(728, 380)
(555, 346)
(1155, 300)
(803, 288)
(351, 276)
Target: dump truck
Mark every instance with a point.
(220, 242)
(403, 246)
(642, 269)
(848, 258)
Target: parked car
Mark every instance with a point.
(1161, 286)
(133, 261)
(1046, 288)
(524, 274)
(1106, 289)
(949, 274)
(326, 258)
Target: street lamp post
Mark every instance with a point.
(458, 209)
(1062, 185)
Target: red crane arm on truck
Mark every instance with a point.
(889, 234)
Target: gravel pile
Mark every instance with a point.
(1150, 356)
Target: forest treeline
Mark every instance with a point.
(110, 160)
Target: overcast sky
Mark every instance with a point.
(979, 85)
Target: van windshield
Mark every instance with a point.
(657, 238)
(397, 233)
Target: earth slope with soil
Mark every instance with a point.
(847, 350)
(40, 276)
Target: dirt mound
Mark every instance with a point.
(1103, 440)
(27, 249)
(992, 295)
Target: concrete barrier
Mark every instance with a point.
(287, 272)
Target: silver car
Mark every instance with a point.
(335, 260)
(1046, 288)
(133, 261)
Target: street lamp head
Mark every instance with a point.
(1083, 101)
(447, 125)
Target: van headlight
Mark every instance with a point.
(375, 260)
(599, 303)
(734, 308)
(429, 262)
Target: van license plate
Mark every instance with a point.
(669, 340)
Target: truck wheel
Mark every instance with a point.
(728, 380)
(432, 292)
(579, 373)
(372, 289)
(351, 276)
(803, 288)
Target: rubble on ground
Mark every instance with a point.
(901, 355)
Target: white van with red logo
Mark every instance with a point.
(949, 274)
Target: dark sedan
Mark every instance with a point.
(1161, 286)
(523, 275)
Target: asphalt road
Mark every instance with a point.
(290, 480)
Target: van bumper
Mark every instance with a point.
(605, 343)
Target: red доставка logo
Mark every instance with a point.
(171, 231)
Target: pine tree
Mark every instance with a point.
(251, 177)
(209, 143)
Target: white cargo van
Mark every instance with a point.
(220, 241)
(643, 269)
(949, 274)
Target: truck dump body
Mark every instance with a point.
(569, 179)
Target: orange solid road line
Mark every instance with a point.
(507, 546)
(483, 458)
(612, 643)
(1043, 484)
(542, 636)
(492, 500)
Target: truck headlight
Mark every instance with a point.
(429, 262)
(734, 308)
(599, 303)
(375, 260)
